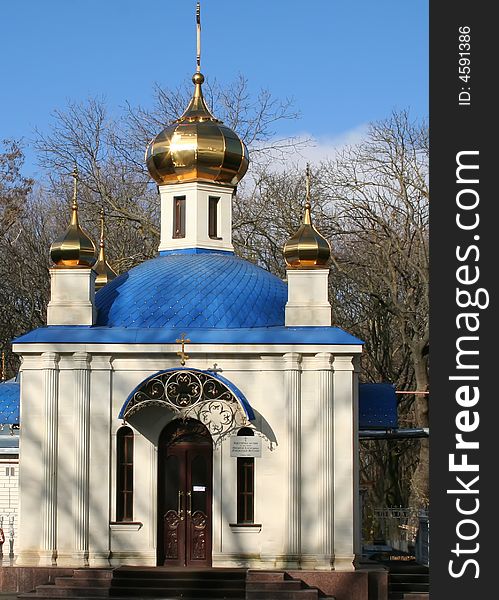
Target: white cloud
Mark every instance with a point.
(302, 148)
(326, 148)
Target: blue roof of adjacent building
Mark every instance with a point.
(9, 402)
(215, 290)
(377, 406)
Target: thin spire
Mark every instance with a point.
(101, 243)
(74, 205)
(4, 376)
(197, 111)
(198, 37)
(307, 218)
(307, 183)
(105, 273)
(75, 176)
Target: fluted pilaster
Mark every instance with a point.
(326, 462)
(81, 455)
(345, 447)
(292, 383)
(48, 554)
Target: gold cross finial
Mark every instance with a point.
(4, 376)
(102, 228)
(75, 175)
(183, 356)
(307, 184)
(198, 37)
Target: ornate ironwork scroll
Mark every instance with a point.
(192, 394)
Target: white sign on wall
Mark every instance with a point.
(246, 446)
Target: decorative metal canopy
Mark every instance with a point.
(195, 394)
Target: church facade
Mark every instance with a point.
(196, 410)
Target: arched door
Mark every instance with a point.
(185, 464)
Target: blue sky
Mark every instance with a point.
(345, 62)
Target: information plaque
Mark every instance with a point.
(246, 446)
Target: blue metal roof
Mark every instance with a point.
(9, 402)
(212, 290)
(199, 335)
(377, 406)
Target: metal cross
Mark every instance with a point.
(183, 356)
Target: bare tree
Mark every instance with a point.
(379, 190)
(20, 305)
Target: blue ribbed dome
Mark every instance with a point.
(193, 290)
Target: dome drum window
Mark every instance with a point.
(179, 217)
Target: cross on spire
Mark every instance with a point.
(75, 176)
(307, 185)
(198, 37)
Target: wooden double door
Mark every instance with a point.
(185, 495)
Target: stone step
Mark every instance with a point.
(408, 587)
(54, 591)
(87, 581)
(408, 595)
(190, 593)
(93, 573)
(163, 596)
(405, 567)
(164, 573)
(409, 577)
(183, 583)
(265, 576)
(289, 584)
(263, 594)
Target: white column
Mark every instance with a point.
(48, 553)
(356, 462)
(81, 456)
(292, 383)
(100, 460)
(344, 459)
(325, 474)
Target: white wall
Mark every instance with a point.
(261, 376)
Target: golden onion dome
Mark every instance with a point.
(74, 248)
(307, 248)
(197, 147)
(105, 272)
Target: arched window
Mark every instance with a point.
(124, 474)
(245, 484)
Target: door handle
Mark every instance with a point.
(180, 508)
(189, 504)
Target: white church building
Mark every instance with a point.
(196, 410)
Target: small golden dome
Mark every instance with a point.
(74, 248)
(197, 147)
(105, 272)
(307, 248)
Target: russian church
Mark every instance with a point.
(195, 411)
